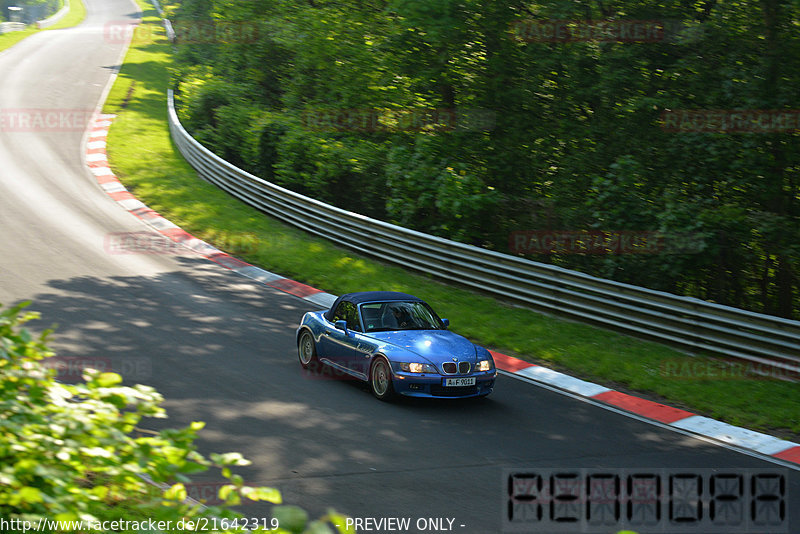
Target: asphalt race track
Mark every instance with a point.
(221, 348)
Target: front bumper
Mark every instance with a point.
(431, 385)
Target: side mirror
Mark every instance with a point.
(341, 324)
(446, 323)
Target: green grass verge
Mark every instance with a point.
(143, 157)
(7, 40)
(77, 12)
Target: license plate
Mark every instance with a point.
(459, 382)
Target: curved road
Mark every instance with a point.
(221, 348)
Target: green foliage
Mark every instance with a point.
(577, 126)
(72, 452)
(437, 193)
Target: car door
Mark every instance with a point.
(361, 343)
(354, 343)
(331, 341)
(339, 347)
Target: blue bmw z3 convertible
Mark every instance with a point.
(397, 344)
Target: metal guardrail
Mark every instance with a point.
(691, 323)
(7, 27)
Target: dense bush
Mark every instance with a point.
(577, 135)
(70, 452)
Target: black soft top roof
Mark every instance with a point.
(370, 296)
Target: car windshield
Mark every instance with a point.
(386, 316)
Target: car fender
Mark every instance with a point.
(483, 352)
(311, 322)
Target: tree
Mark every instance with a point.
(578, 139)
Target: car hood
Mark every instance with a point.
(433, 345)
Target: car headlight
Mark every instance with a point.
(484, 365)
(414, 367)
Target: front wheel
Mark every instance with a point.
(380, 379)
(306, 349)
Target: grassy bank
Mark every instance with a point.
(77, 12)
(144, 158)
